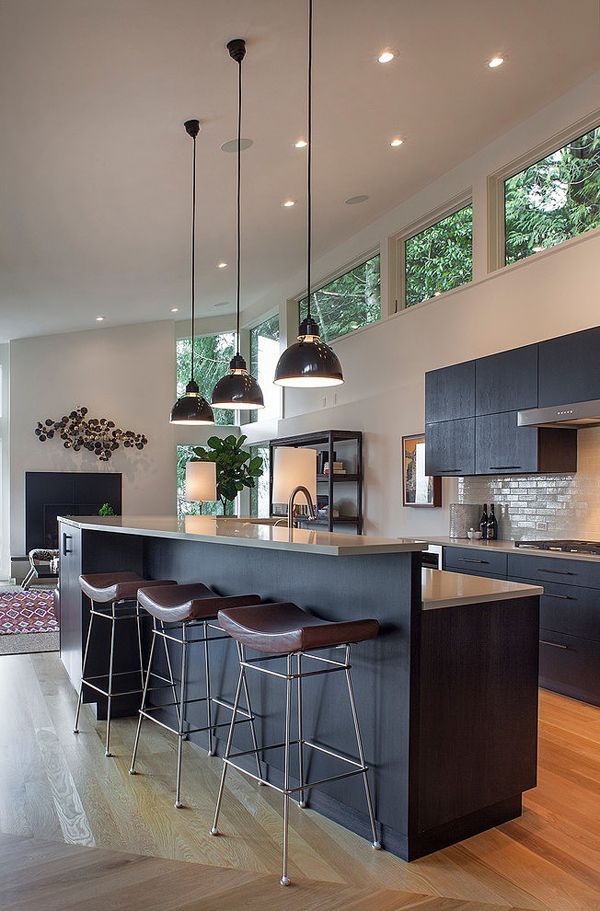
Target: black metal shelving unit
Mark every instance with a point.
(325, 441)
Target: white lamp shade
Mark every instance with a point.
(291, 468)
(200, 481)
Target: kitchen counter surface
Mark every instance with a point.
(446, 589)
(507, 547)
(245, 534)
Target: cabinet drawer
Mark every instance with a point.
(569, 665)
(472, 560)
(570, 609)
(555, 569)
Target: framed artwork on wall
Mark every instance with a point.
(417, 488)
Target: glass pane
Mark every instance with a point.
(264, 354)
(440, 257)
(259, 495)
(554, 199)
(190, 508)
(348, 302)
(212, 354)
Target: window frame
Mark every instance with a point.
(267, 315)
(359, 260)
(496, 253)
(398, 241)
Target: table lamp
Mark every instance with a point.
(200, 481)
(294, 472)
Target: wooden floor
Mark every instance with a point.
(59, 797)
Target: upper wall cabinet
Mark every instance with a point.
(450, 393)
(507, 381)
(569, 368)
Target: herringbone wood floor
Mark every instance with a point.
(59, 793)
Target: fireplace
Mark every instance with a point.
(49, 494)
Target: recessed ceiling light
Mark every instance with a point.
(288, 203)
(386, 56)
(231, 145)
(396, 142)
(99, 319)
(301, 143)
(221, 265)
(355, 200)
(495, 61)
(174, 309)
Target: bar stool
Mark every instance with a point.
(185, 608)
(118, 592)
(286, 631)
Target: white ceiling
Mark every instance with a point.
(95, 164)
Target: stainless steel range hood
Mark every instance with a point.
(577, 416)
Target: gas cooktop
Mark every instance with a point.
(566, 547)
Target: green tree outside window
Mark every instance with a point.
(212, 354)
(349, 302)
(440, 257)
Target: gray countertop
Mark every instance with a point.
(508, 547)
(246, 534)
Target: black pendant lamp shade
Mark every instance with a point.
(309, 362)
(192, 408)
(238, 389)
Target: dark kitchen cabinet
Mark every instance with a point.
(507, 381)
(569, 368)
(450, 448)
(450, 393)
(569, 665)
(501, 447)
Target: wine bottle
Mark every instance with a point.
(483, 525)
(492, 525)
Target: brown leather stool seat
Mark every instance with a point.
(285, 628)
(182, 603)
(122, 586)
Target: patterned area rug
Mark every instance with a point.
(27, 612)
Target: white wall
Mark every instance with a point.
(552, 293)
(124, 374)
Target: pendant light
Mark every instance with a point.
(192, 408)
(238, 389)
(309, 362)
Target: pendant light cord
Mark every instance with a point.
(193, 257)
(238, 207)
(309, 158)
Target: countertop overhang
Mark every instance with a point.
(246, 534)
(447, 589)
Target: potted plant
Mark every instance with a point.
(106, 510)
(235, 467)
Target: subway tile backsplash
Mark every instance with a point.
(545, 506)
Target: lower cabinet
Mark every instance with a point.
(569, 612)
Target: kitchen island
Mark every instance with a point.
(447, 693)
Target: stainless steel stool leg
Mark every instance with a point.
(361, 753)
(209, 720)
(85, 656)
(182, 693)
(113, 624)
(236, 702)
(301, 793)
(286, 773)
(143, 705)
(138, 621)
(170, 669)
(242, 657)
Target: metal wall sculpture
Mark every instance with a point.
(98, 435)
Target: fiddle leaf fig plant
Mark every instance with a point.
(235, 467)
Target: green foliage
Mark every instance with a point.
(554, 199)
(235, 467)
(106, 510)
(348, 302)
(440, 257)
(212, 354)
